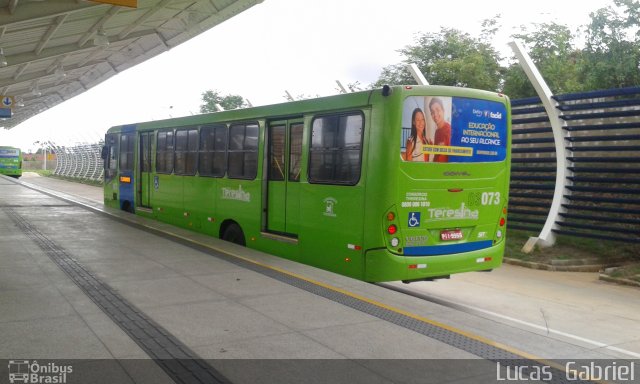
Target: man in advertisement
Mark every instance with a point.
(443, 128)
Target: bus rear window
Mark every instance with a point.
(453, 130)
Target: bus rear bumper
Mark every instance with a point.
(382, 265)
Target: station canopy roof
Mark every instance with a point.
(51, 51)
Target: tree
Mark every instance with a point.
(610, 57)
(449, 57)
(552, 49)
(612, 51)
(211, 98)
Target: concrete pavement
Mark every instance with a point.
(225, 312)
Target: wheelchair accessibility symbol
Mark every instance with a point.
(414, 219)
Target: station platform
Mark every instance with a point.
(124, 299)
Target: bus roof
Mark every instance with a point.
(345, 101)
(301, 107)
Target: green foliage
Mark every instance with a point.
(449, 57)
(610, 57)
(516, 83)
(550, 47)
(211, 98)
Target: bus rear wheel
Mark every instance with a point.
(234, 234)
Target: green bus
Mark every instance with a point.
(11, 161)
(400, 183)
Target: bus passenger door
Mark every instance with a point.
(110, 160)
(144, 169)
(284, 155)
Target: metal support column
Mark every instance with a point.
(417, 74)
(546, 238)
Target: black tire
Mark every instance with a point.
(234, 234)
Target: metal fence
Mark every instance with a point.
(601, 183)
(81, 162)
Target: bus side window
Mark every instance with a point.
(181, 152)
(186, 151)
(243, 151)
(336, 144)
(164, 152)
(192, 152)
(127, 143)
(213, 150)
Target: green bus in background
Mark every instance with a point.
(11, 161)
(400, 183)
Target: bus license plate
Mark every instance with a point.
(454, 234)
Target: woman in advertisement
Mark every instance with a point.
(417, 139)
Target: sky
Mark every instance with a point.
(301, 47)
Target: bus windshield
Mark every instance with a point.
(453, 130)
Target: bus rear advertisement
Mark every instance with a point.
(402, 183)
(11, 161)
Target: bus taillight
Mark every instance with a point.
(391, 216)
(502, 221)
(392, 229)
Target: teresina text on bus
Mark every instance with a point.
(450, 213)
(236, 194)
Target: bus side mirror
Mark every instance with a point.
(105, 152)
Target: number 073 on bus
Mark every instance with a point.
(399, 183)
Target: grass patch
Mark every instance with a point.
(626, 257)
(629, 272)
(569, 247)
(41, 172)
(81, 181)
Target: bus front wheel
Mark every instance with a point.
(234, 234)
